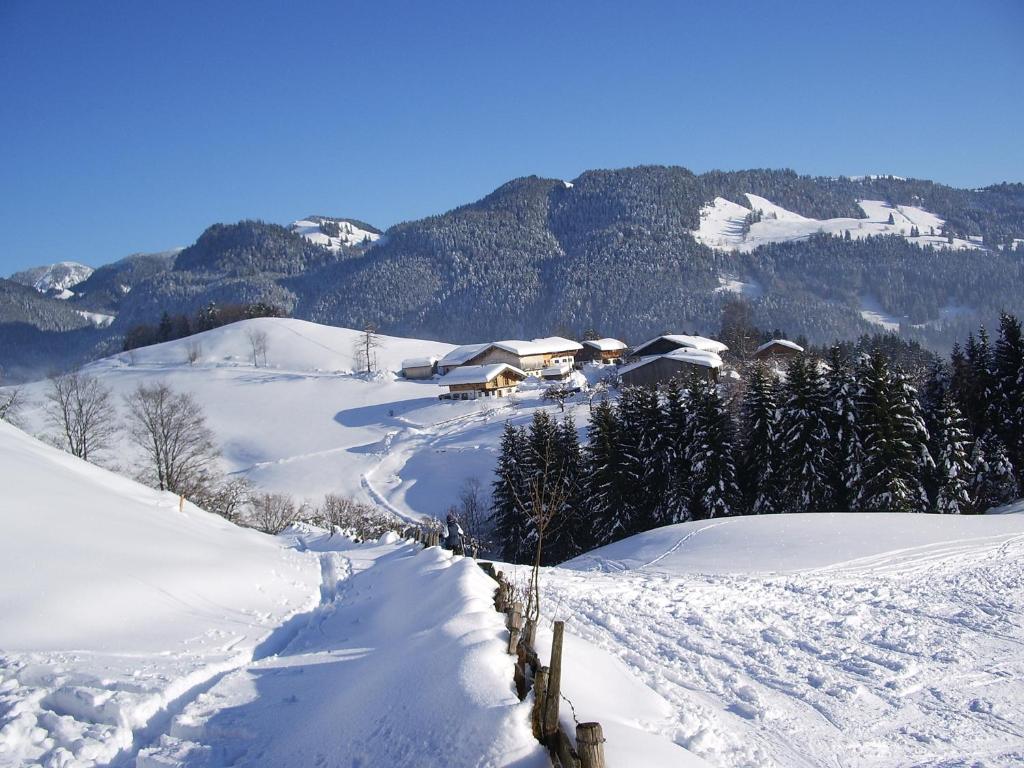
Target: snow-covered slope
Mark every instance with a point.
(307, 425)
(54, 279)
(115, 602)
(348, 232)
(809, 640)
(726, 225)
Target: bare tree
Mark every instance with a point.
(193, 351)
(171, 430)
(361, 521)
(542, 504)
(557, 393)
(11, 403)
(273, 512)
(83, 412)
(224, 497)
(366, 358)
(258, 342)
(473, 511)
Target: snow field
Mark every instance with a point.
(813, 640)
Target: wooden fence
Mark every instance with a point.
(530, 675)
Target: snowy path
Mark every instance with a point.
(913, 657)
(402, 663)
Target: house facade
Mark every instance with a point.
(603, 351)
(471, 382)
(419, 367)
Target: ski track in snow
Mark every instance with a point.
(915, 657)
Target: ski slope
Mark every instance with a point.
(811, 640)
(723, 225)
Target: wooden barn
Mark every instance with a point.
(467, 354)
(778, 350)
(533, 355)
(470, 382)
(419, 367)
(604, 351)
(655, 370)
(670, 342)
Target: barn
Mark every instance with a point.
(778, 349)
(681, 363)
(419, 367)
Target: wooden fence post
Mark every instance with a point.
(540, 690)
(554, 681)
(590, 745)
(530, 633)
(515, 624)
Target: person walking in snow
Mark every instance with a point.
(454, 534)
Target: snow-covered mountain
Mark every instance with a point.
(55, 280)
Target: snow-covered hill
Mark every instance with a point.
(728, 226)
(308, 424)
(809, 640)
(54, 279)
(115, 603)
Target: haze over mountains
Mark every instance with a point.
(629, 252)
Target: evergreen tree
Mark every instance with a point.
(642, 460)
(805, 440)
(894, 440)
(509, 492)
(676, 507)
(603, 481)
(978, 401)
(953, 464)
(760, 474)
(1008, 406)
(993, 482)
(569, 533)
(710, 442)
(841, 402)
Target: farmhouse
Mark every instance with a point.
(601, 351)
(470, 382)
(671, 342)
(680, 363)
(778, 349)
(419, 367)
(531, 355)
(459, 356)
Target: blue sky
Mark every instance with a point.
(132, 126)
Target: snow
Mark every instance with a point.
(418, 362)
(115, 603)
(403, 663)
(351, 234)
(691, 342)
(605, 345)
(478, 374)
(727, 284)
(57, 279)
(872, 311)
(807, 640)
(98, 319)
(723, 225)
(779, 343)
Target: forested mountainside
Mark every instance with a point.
(614, 250)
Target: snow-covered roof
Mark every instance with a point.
(459, 355)
(545, 346)
(692, 342)
(605, 345)
(689, 355)
(419, 362)
(561, 369)
(478, 374)
(779, 342)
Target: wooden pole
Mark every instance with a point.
(530, 634)
(554, 681)
(515, 625)
(540, 691)
(590, 745)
